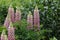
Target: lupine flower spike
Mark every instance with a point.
(36, 18)
(11, 13)
(7, 21)
(11, 33)
(17, 15)
(30, 21)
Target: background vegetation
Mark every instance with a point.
(49, 13)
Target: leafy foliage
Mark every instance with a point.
(22, 33)
(49, 13)
(2, 28)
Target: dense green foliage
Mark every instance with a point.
(2, 28)
(49, 13)
(22, 33)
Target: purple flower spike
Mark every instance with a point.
(30, 21)
(17, 15)
(11, 33)
(7, 21)
(36, 18)
(11, 13)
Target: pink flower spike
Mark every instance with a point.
(7, 21)
(11, 34)
(36, 18)
(11, 13)
(17, 15)
(30, 21)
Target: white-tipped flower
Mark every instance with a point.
(17, 15)
(30, 21)
(11, 13)
(36, 18)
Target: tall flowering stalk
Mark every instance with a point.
(11, 13)
(17, 15)
(36, 18)
(11, 35)
(30, 21)
(3, 36)
(7, 21)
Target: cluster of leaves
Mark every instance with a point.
(22, 33)
(49, 13)
(2, 28)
